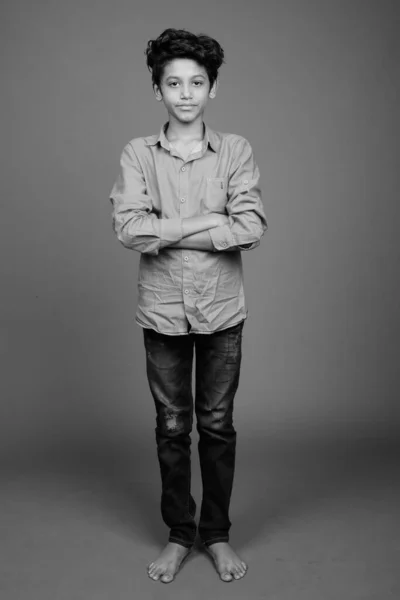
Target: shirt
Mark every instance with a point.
(154, 191)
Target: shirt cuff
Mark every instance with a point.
(248, 246)
(222, 237)
(171, 231)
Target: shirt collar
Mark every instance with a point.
(210, 138)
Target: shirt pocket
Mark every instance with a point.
(216, 194)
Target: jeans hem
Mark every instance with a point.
(215, 540)
(181, 542)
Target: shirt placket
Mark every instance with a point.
(187, 272)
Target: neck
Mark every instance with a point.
(185, 132)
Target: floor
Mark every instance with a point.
(313, 520)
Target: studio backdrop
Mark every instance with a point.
(314, 87)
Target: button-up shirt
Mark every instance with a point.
(154, 191)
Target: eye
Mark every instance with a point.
(198, 83)
(173, 83)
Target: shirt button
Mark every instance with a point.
(245, 181)
(186, 258)
(182, 199)
(186, 291)
(183, 169)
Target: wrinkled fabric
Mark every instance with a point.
(169, 364)
(181, 290)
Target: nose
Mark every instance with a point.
(185, 93)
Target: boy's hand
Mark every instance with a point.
(192, 225)
(220, 219)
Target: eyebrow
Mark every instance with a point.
(177, 77)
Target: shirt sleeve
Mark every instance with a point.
(134, 221)
(247, 220)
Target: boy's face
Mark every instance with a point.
(184, 89)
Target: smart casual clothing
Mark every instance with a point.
(184, 294)
(154, 191)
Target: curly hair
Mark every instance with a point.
(180, 43)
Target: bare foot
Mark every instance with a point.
(226, 561)
(167, 564)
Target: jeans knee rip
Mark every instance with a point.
(171, 421)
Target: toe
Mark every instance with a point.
(154, 576)
(167, 578)
(244, 566)
(236, 573)
(226, 576)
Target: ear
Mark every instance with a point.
(157, 92)
(213, 90)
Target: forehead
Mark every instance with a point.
(183, 67)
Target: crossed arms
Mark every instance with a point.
(138, 227)
(195, 232)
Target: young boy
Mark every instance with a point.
(189, 201)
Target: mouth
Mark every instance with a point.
(186, 105)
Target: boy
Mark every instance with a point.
(189, 201)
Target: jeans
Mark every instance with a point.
(169, 361)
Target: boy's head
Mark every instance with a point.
(184, 69)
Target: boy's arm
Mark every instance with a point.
(203, 241)
(197, 241)
(247, 220)
(134, 220)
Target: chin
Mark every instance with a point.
(186, 118)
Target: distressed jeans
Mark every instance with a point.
(169, 362)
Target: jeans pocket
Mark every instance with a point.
(235, 344)
(161, 355)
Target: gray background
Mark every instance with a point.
(314, 86)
